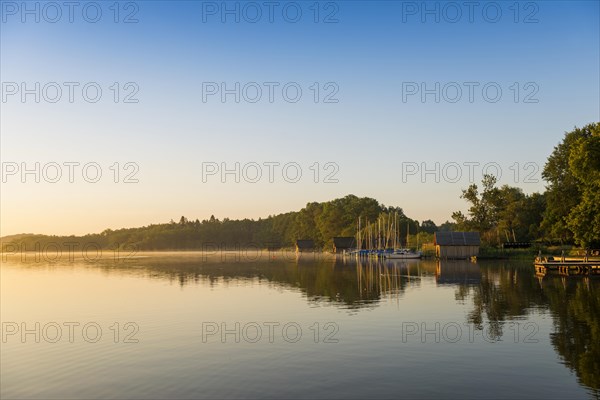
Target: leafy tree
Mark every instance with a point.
(428, 226)
(306, 225)
(483, 213)
(584, 164)
(531, 215)
(500, 214)
(448, 227)
(573, 175)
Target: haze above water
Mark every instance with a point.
(192, 326)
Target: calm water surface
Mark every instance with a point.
(192, 326)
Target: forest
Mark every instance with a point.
(568, 212)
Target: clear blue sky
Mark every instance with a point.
(372, 57)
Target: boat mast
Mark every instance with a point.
(417, 237)
(396, 230)
(390, 230)
(379, 232)
(358, 234)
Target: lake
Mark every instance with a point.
(270, 325)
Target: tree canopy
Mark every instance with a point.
(573, 192)
(317, 221)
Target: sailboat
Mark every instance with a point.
(404, 254)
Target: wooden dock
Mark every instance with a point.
(567, 265)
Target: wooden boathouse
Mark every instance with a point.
(305, 245)
(343, 243)
(456, 245)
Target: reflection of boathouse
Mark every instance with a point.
(457, 272)
(456, 245)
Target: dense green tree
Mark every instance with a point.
(448, 227)
(484, 208)
(584, 164)
(501, 214)
(571, 168)
(531, 213)
(306, 223)
(428, 226)
(509, 218)
(483, 212)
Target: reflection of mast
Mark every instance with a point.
(540, 281)
(359, 279)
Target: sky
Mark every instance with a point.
(122, 114)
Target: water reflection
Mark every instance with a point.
(509, 291)
(575, 305)
(496, 293)
(457, 272)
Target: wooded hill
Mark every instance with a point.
(317, 221)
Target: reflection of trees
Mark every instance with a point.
(386, 277)
(576, 309)
(350, 282)
(506, 291)
(510, 291)
(499, 291)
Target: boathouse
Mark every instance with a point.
(456, 245)
(303, 245)
(342, 243)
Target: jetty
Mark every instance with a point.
(567, 265)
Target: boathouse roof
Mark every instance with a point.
(344, 242)
(305, 244)
(456, 238)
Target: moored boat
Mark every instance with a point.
(403, 254)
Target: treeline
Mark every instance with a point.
(502, 214)
(317, 221)
(567, 213)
